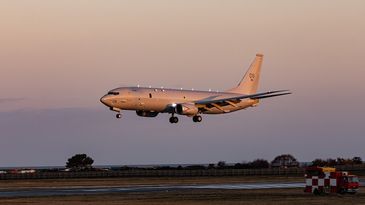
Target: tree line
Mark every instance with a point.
(82, 162)
(336, 162)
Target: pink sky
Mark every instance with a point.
(66, 54)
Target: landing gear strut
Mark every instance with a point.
(173, 119)
(197, 118)
(118, 115)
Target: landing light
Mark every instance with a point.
(173, 104)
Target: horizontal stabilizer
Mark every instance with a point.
(269, 96)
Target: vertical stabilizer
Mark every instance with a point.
(250, 81)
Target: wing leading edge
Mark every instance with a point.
(241, 97)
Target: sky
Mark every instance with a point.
(57, 58)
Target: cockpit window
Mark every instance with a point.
(113, 93)
(353, 179)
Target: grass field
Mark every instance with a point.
(177, 197)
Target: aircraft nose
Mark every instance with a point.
(104, 100)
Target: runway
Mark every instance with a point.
(51, 191)
(143, 188)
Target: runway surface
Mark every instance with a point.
(142, 188)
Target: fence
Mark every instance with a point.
(158, 173)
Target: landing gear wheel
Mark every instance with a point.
(174, 120)
(118, 115)
(197, 118)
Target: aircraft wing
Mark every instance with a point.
(232, 100)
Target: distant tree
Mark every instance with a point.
(319, 162)
(340, 161)
(357, 160)
(330, 162)
(164, 168)
(246, 165)
(259, 164)
(80, 162)
(195, 167)
(284, 161)
(221, 164)
(125, 167)
(211, 166)
(349, 161)
(238, 166)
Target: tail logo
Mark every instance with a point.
(252, 76)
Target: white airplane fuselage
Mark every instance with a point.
(149, 102)
(162, 99)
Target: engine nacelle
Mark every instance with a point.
(143, 113)
(188, 109)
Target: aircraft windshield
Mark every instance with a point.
(113, 93)
(353, 179)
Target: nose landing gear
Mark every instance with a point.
(118, 116)
(197, 118)
(174, 119)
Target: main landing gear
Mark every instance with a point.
(197, 118)
(118, 115)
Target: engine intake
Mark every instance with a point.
(186, 109)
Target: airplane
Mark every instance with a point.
(149, 102)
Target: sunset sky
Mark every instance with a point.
(57, 58)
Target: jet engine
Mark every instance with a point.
(143, 113)
(188, 109)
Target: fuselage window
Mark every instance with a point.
(150, 95)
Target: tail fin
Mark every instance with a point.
(250, 81)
